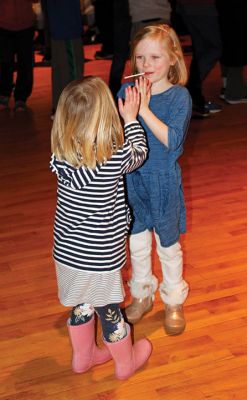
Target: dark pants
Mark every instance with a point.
(47, 49)
(16, 49)
(67, 64)
(121, 27)
(206, 44)
(103, 10)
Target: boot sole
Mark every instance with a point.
(174, 331)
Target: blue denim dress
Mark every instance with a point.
(155, 191)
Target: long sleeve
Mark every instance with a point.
(135, 147)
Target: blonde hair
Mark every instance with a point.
(178, 72)
(87, 129)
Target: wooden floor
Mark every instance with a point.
(209, 360)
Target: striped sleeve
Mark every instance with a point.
(135, 147)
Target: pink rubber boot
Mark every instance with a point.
(127, 357)
(86, 354)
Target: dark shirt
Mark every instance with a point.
(65, 20)
(16, 15)
(197, 7)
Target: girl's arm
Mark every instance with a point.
(158, 128)
(135, 147)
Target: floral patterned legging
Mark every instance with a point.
(111, 318)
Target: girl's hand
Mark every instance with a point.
(129, 108)
(143, 86)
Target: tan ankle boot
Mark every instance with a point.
(139, 307)
(174, 319)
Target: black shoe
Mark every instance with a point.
(200, 111)
(237, 101)
(20, 106)
(222, 94)
(47, 58)
(213, 107)
(4, 103)
(102, 55)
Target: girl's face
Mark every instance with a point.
(152, 58)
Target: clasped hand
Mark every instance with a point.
(136, 100)
(143, 86)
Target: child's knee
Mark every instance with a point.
(173, 251)
(168, 253)
(112, 321)
(81, 314)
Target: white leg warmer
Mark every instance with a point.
(173, 289)
(143, 283)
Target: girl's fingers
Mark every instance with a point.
(137, 84)
(149, 85)
(131, 94)
(120, 105)
(127, 94)
(143, 85)
(134, 92)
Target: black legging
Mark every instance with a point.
(111, 318)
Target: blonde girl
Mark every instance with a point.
(155, 191)
(91, 153)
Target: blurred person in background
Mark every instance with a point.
(67, 54)
(16, 51)
(201, 19)
(232, 19)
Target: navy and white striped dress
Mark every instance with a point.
(91, 224)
